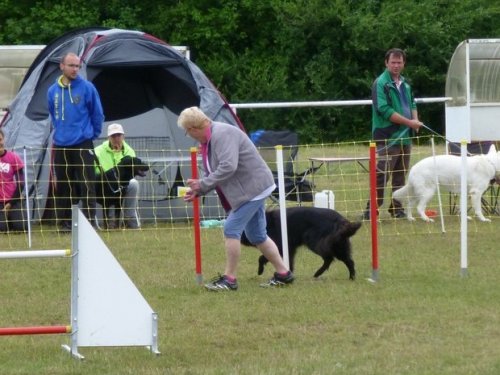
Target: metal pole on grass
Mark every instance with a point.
(26, 195)
(443, 230)
(463, 210)
(282, 200)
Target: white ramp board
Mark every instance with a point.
(110, 309)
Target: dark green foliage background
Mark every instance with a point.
(285, 50)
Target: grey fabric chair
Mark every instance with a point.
(297, 187)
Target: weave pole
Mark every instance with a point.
(373, 211)
(436, 177)
(196, 218)
(282, 201)
(463, 210)
(27, 195)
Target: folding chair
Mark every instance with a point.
(297, 188)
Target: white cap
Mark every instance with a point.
(115, 129)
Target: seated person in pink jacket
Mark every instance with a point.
(12, 215)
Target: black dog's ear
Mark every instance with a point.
(141, 164)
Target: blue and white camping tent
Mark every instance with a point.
(144, 83)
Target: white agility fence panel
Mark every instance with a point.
(110, 309)
(107, 309)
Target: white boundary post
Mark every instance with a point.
(27, 197)
(73, 347)
(282, 201)
(463, 211)
(440, 204)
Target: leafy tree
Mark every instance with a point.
(285, 50)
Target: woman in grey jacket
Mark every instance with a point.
(243, 181)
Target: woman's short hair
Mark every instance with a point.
(192, 117)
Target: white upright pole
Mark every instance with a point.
(75, 277)
(26, 195)
(463, 211)
(437, 186)
(282, 202)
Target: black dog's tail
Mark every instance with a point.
(351, 228)
(347, 229)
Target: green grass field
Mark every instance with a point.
(421, 317)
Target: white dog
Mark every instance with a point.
(446, 170)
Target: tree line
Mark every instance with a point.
(285, 50)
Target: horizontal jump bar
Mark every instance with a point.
(34, 254)
(325, 103)
(40, 330)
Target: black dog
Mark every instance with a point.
(112, 184)
(324, 231)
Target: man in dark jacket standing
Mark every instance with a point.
(77, 116)
(394, 116)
